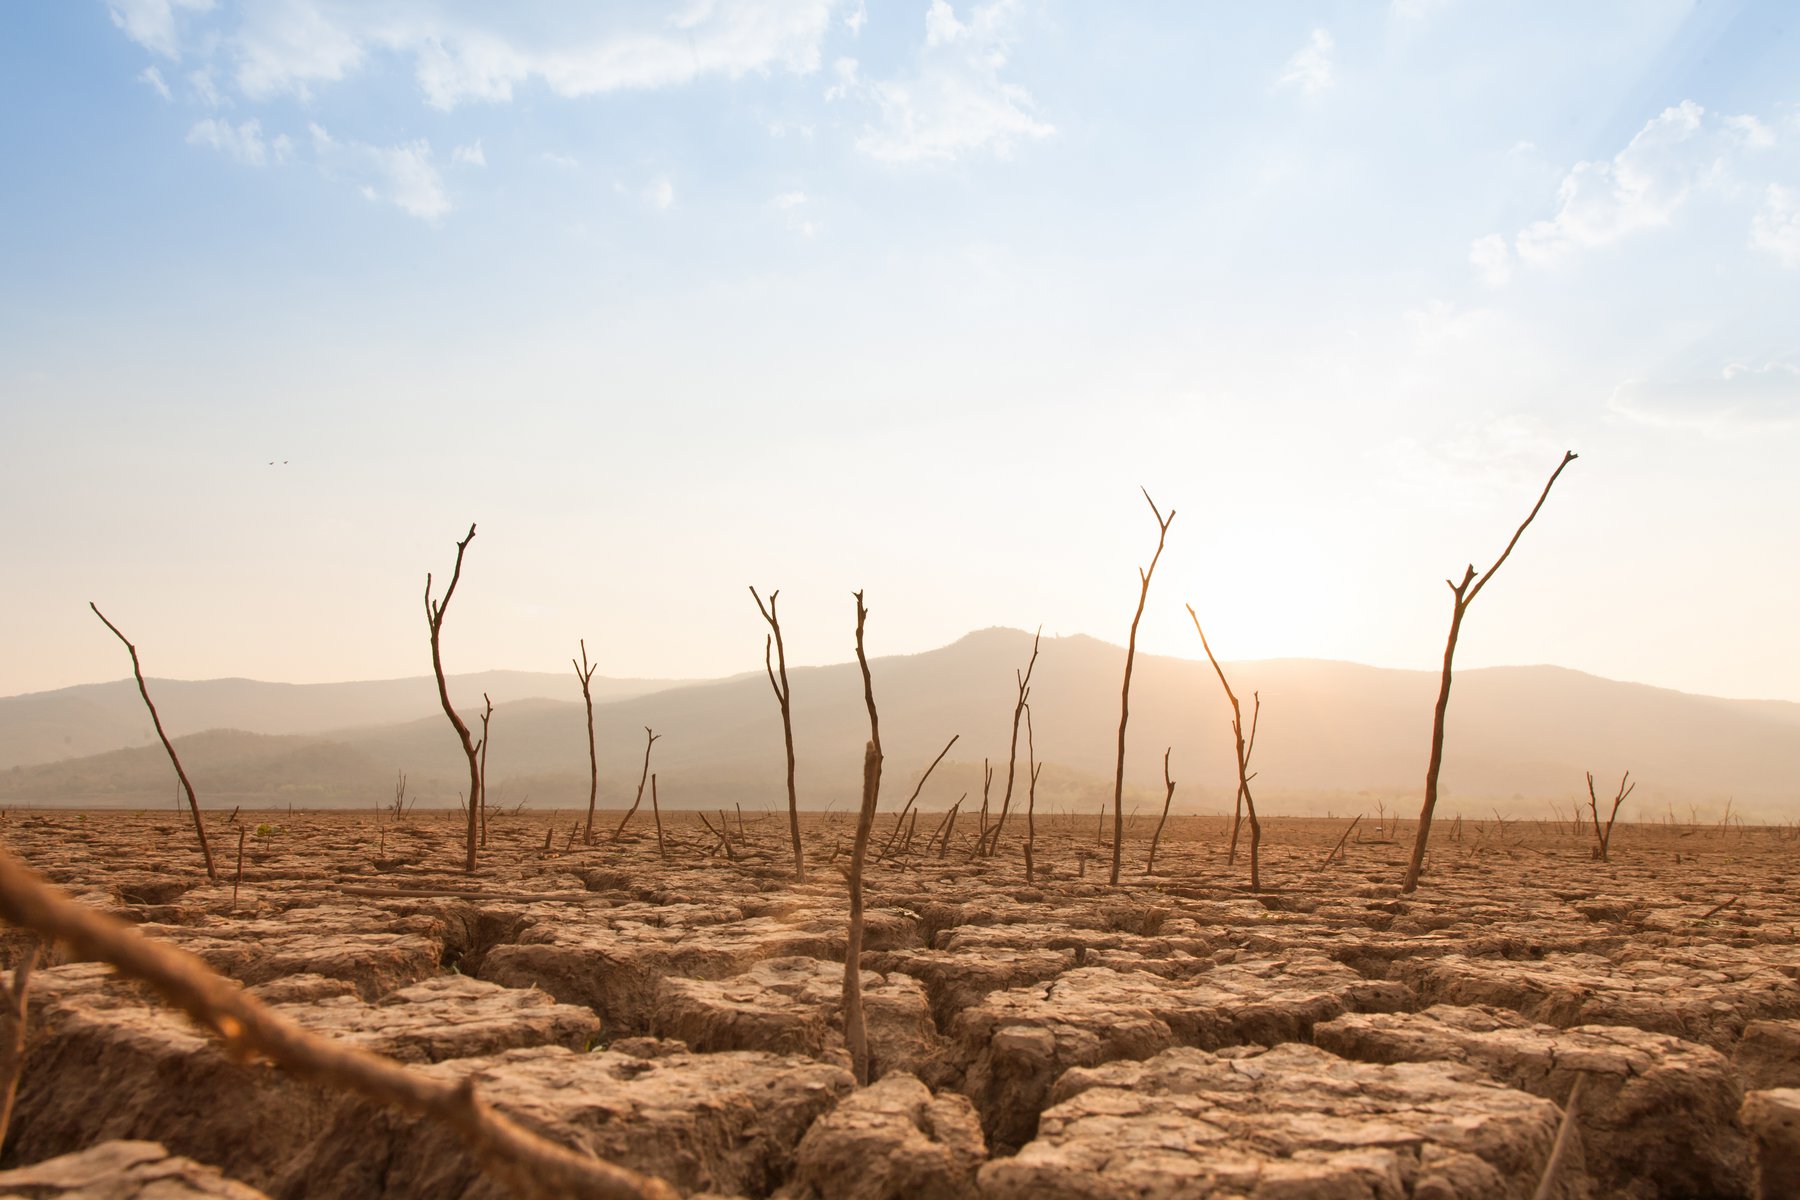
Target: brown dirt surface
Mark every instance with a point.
(1175, 1036)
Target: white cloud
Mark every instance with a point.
(1738, 400)
(151, 23)
(469, 156)
(856, 18)
(1492, 259)
(454, 65)
(1482, 458)
(844, 70)
(153, 77)
(1776, 227)
(242, 142)
(402, 175)
(1310, 69)
(285, 46)
(956, 103)
(658, 194)
(1415, 10)
(795, 209)
(463, 53)
(205, 90)
(941, 25)
(1639, 188)
(1680, 154)
(567, 162)
(1751, 132)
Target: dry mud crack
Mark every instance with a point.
(1174, 1037)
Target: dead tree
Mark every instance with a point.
(168, 746)
(944, 827)
(778, 680)
(1162, 534)
(632, 811)
(1033, 766)
(662, 849)
(856, 1034)
(987, 785)
(584, 671)
(1244, 751)
(1462, 595)
(1168, 798)
(1604, 836)
(1023, 679)
(487, 715)
(521, 1162)
(915, 795)
(434, 617)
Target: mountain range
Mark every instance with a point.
(1332, 736)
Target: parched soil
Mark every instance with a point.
(678, 1011)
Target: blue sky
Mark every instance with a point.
(909, 297)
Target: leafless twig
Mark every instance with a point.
(193, 804)
(518, 1158)
(434, 618)
(1162, 534)
(1462, 595)
(856, 1034)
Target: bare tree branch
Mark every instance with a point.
(1012, 750)
(623, 821)
(434, 617)
(856, 1034)
(784, 699)
(1462, 595)
(1243, 755)
(168, 746)
(584, 671)
(1125, 690)
(518, 1158)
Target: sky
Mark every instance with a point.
(911, 297)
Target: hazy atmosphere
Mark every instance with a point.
(890, 600)
(903, 297)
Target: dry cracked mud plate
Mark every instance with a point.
(1294, 1121)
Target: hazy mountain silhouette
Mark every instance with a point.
(42, 727)
(1330, 731)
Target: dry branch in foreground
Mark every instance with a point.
(856, 1034)
(518, 1158)
(13, 999)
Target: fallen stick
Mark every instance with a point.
(1546, 1187)
(1716, 909)
(1340, 844)
(447, 894)
(516, 1157)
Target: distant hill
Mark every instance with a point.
(42, 727)
(1333, 735)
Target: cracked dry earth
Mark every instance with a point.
(1176, 1036)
